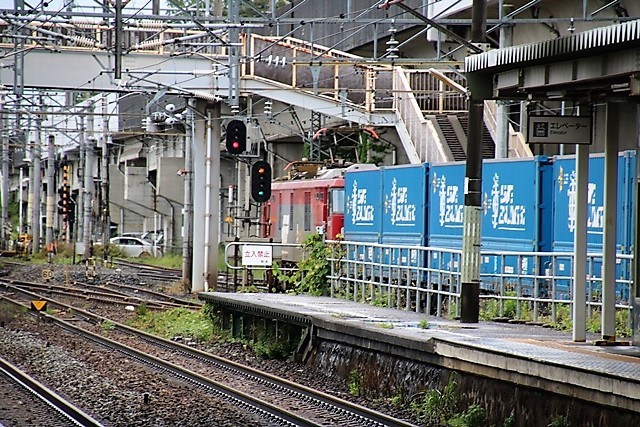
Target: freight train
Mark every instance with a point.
(528, 205)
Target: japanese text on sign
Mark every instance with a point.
(257, 255)
(559, 129)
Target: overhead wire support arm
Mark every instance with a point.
(466, 43)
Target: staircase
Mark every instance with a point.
(426, 107)
(450, 137)
(488, 144)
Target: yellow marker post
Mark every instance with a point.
(38, 305)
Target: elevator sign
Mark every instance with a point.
(559, 129)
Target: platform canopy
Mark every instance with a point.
(597, 64)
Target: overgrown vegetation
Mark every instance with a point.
(436, 406)
(560, 421)
(8, 312)
(490, 308)
(356, 383)
(311, 276)
(563, 321)
(269, 346)
(107, 325)
(177, 322)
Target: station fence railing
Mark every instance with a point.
(526, 286)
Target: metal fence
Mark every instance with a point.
(532, 286)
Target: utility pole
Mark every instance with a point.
(187, 253)
(4, 190)
(472, 220)
(51, 189)
(87, 188)
(35, 184)
(104, 183)
(502, 116)
(81, 173)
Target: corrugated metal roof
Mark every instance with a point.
(611, 37)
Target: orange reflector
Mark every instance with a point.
(38, 305)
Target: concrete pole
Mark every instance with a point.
(187, 209)
(51, 189)
(87, 194)
(36, 185)
(580, 245)
(199, 218)
(81, 174)
(470, 263)
(29, 181)
(4, 182)
(502, 116)
(21, 201)
(104, 173)
(635, 291)
(610, 215)
(212, 219)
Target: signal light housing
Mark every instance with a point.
(261, 181)
(236, 137)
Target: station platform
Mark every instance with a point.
(521, 354)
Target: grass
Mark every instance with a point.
(177, 322)
(173, 261)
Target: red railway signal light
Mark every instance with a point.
(261, 181)
(236, 137)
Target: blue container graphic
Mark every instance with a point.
(363, 211)
(363, 215)
(516, 214)
(446, 199)
(446, 206)
(517, 208)
(404, 213)
(564, 193)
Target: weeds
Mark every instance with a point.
(107, 325)
(436, 406)
(356, 383)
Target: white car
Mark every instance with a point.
(135, 246)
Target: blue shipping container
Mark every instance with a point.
(516, 218)
(564, 216)
(564, 193)
(363, 212)
(404, 213)
(446, 204)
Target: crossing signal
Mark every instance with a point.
(261, 181)
(236, 137)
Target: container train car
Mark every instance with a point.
(528, 206)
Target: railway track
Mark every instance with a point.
(281, 402)
(103, 294)
(41, 405)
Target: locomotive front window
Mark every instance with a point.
(336, 199)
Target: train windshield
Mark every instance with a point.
(336, 198)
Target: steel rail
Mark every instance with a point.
(366, 415)
(64, 407)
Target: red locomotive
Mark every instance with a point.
(309, 200)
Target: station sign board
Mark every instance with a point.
(559, 129)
